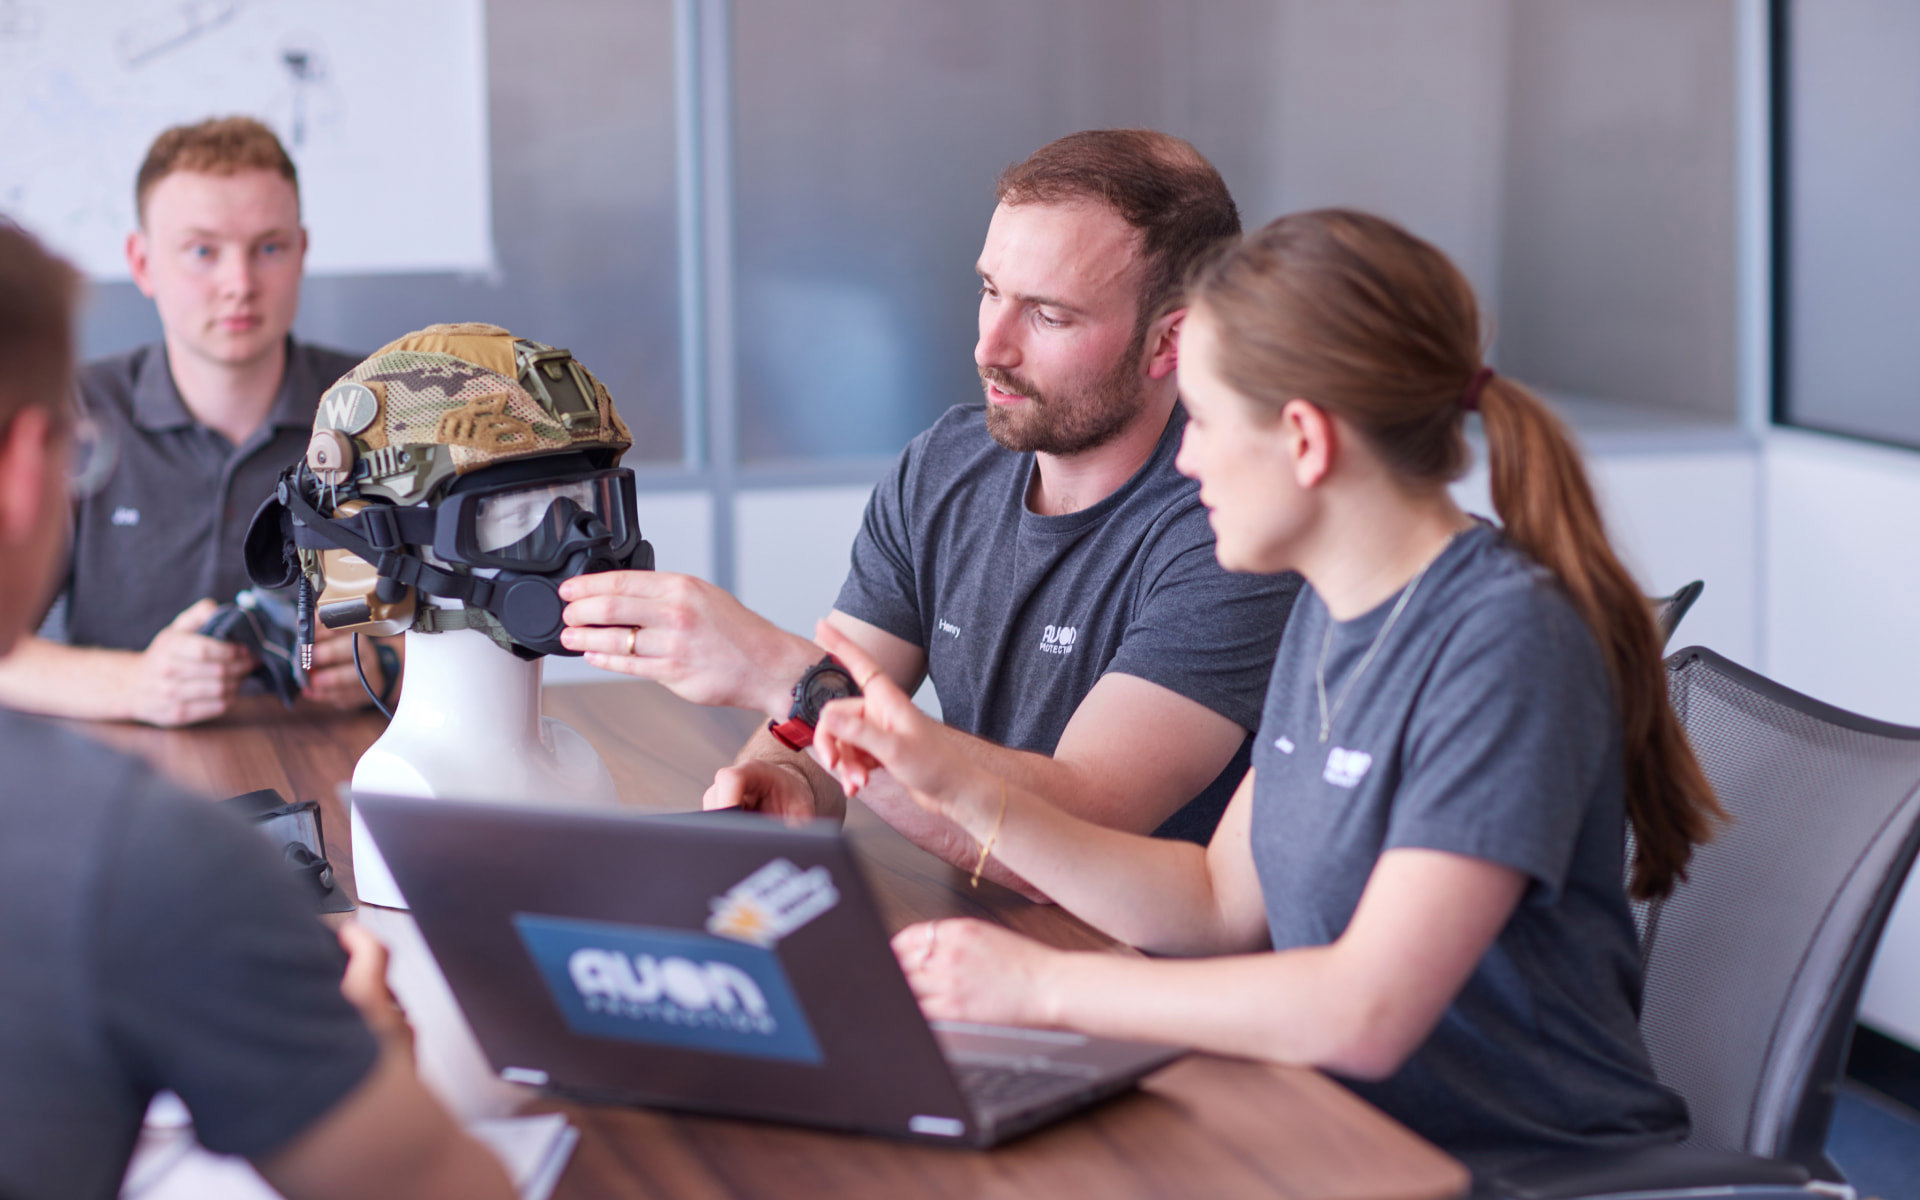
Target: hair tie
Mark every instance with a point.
(1470, 399)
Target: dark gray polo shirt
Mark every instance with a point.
(1021, 614)
(167, 528)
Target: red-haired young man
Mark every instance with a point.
(203, 421)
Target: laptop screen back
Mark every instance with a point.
(726, 966)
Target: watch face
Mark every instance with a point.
(823, 684)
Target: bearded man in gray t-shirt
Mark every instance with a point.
(1037, 556)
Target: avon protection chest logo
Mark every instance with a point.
(1346, 768)
(1058, 639)
(668, 987)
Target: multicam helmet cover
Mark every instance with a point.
(427, 473)
(452, 399)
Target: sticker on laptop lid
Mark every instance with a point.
(668, 987)
(772, 902)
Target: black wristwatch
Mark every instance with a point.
(824, 681)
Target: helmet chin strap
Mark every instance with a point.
(527, 606)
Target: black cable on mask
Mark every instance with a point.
(362, 672)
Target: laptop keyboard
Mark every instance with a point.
(1004, 1087)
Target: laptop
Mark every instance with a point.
(717, 963)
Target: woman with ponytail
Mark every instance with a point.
(1418, 887)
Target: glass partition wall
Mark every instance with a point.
(868, 135)
(758, 220)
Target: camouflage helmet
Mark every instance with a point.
(398, 494)
(453, 399)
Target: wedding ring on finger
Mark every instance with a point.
(633, 640)
(871, 676)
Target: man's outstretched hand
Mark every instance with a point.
(778, 789)
(685, 634)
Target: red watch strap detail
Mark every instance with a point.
(793, 733)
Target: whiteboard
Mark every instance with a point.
(383, 106)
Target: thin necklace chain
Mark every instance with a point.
(1366, 660)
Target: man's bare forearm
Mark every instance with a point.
(57, 680)
(389, 1137)
(1060, 784)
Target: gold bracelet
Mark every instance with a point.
(986, 847)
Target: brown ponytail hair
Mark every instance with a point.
(1378, 328)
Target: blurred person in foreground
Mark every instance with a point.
(151, 941)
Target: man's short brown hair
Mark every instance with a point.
(1158, 183)
(216, 146)
(37, 297)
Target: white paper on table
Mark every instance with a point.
(535, 1149)
(169, 1165)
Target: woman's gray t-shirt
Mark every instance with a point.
(1484, 726)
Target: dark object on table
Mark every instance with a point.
(263, 623)
(295, 833)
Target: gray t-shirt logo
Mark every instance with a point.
(1346, 768)
(1058, 639)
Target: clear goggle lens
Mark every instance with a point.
(530, 524)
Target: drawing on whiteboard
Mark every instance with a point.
(308, 96)
(153, 36)
(89, 83)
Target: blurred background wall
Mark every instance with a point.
(1577, 159)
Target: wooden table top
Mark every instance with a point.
(1203, 1127)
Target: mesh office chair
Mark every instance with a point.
(1754, 964)
(1668, 610)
